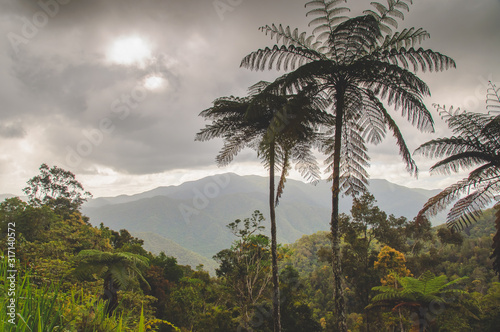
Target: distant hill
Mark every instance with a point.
(157, 243)
(5, 196)
(195, 214)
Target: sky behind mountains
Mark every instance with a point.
(111, 90)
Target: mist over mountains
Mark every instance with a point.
(194, 214)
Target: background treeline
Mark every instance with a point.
(76, 277)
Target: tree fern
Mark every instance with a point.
(117, 269)
(358, 63)
(281, 128)
(419, 294)
(475, 144)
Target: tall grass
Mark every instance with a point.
(46, 309)
(35, 309)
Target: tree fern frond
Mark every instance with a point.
(404, 152)
(403, 5)
(284, 57)
(440, 201)
(329, 16)
(380, 8)
(232, 146)
(398, 14)
(372, 121)
(353, 162)
(387, 296)
(468, 209)
(463, 122)
(492, 131)
(353, 38)
(377, 16)
(306, 164)
(390, 21)
(119, 275)
(289, 37)
(119, 266)
(493, 100)
(404, 95)
(385, 15)
(419, 58)
(258, 87)
(407, 38)
(459, 160)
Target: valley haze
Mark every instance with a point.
(192, 217)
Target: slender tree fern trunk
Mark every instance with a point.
(334, 224)
(274, 254)
(110, 295)
(496, 242)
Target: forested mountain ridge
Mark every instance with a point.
(194, 214)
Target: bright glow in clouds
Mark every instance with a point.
(129, 50)
(154, 82)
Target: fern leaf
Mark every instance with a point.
(372, 13)
(329, 15)
(402, 5)
(389, 20)
(493, 99)
(381, 8)
(419, 58)
(396, 13)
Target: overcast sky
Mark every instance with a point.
(111, 90)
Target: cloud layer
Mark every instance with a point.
(65, 103)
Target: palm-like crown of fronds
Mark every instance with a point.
(365, 61)
(475, 143)
(283, 125)
(422, 291)
(121, 267)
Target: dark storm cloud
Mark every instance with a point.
(61, 94)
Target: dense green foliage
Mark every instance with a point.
(419, 253)
(70, 273)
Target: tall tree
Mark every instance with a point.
(245, 267)
(357, 62)
(281, 128)
(367, 225)
(475, 143)
(56, 187)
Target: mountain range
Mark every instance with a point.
(189, 221)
